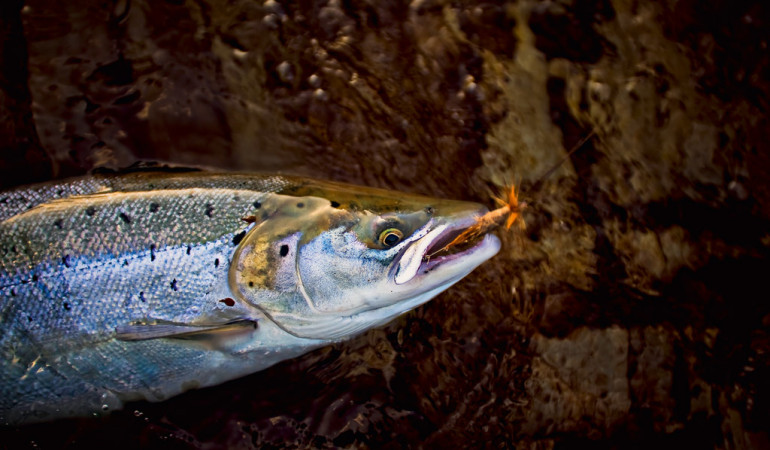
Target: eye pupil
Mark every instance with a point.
(391, 237)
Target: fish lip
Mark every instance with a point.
(404, 271)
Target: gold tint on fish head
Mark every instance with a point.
(260, 265)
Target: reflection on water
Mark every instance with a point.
(626, 310)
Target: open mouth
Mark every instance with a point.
(437, 248)
(444, 245)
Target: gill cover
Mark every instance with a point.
(264, 269)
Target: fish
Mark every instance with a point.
(140, 286)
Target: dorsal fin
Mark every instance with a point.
(145, 166)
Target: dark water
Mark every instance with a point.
(630, 311)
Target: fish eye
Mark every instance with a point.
(391, 237)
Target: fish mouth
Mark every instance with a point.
(433, 252)
(439, 250)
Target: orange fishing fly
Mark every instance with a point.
(509, 211)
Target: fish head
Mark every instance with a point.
(327, 260)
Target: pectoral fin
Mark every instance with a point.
(158, 329)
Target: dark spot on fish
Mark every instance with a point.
(125, 262)
(300, 205)
(60, 192)
(66, 261)
(154, 207)
(335, 204)
(209, 210)
(257, 205)
(141, 296)
(429, 210)
(34, 277)
(90, 211)
(152, 252)
(4, 200)
(58, 223)
(173, 285)
(67, 306)
(14, 250)
(189, 249)
(284, 250)
(228, 301)
(238, 237)
(216, 262)
(251, 284)
(124, 217)
(13, 292)
(29, 318)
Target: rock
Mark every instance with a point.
(579, 383)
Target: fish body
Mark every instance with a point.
(140, 286)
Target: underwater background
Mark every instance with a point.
(631, 312)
